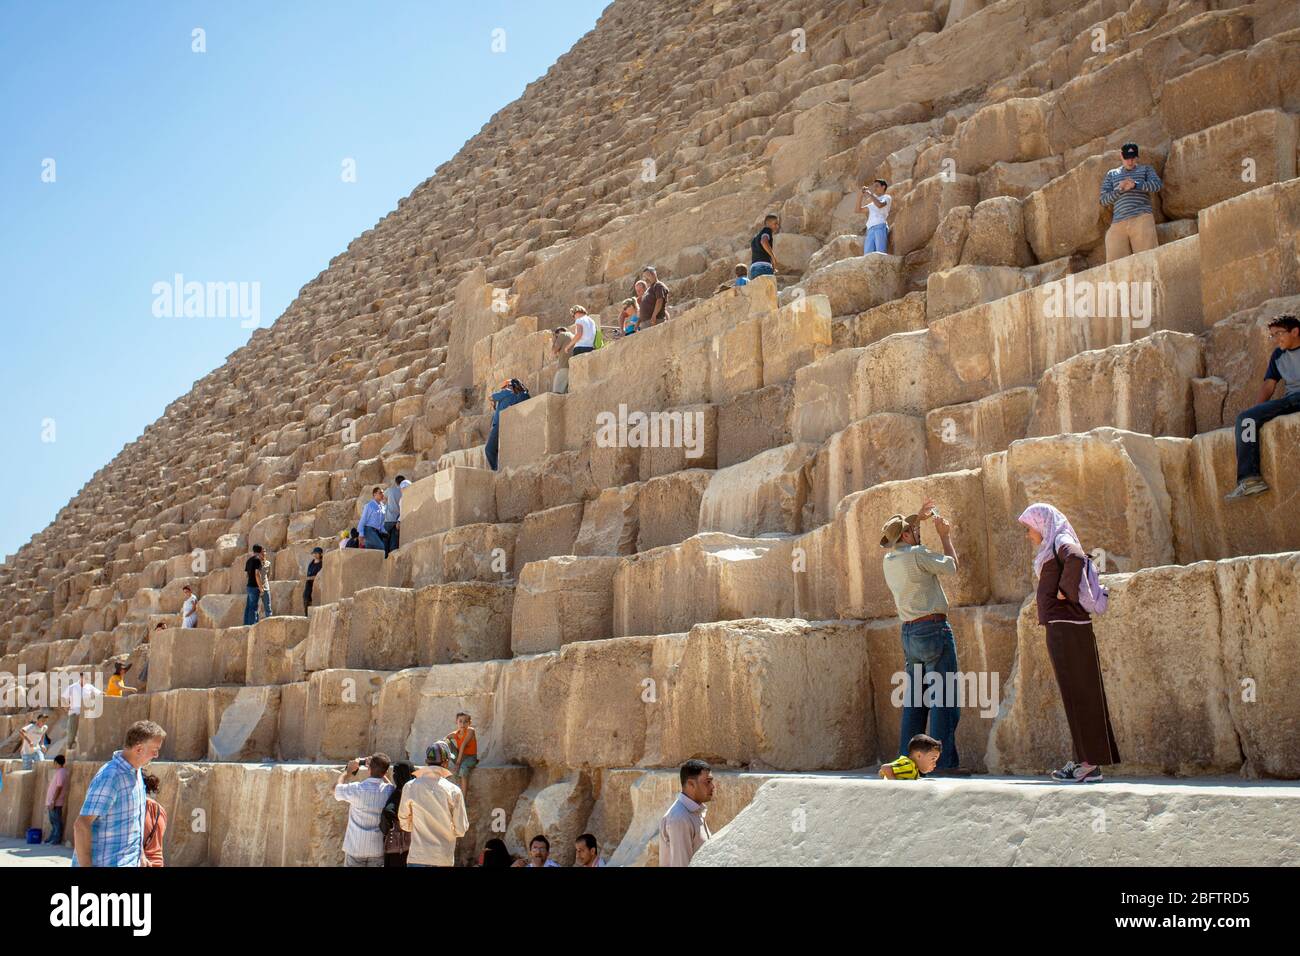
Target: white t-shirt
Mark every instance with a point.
(33, 737)
(587, 339)
(878, 215)
(187, 611)
(77, 693)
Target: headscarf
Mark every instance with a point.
(1053, 526)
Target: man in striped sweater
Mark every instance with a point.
(1127, 190)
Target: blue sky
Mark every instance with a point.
(222, 166)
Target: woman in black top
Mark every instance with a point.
(1059, 562)
(313, 569)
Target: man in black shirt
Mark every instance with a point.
(313, 569)
(762, 259)
(255, 585)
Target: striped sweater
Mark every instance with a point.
(1134, 202)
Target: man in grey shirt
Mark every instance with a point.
(1127, 190)
(393, 514)
(929, 649)
(1283, 366)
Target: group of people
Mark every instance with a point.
(381, 519)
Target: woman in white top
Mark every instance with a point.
(584, 331)
(189, 611)
(875, 203)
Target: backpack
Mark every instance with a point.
(1094, 597)
(599, 342)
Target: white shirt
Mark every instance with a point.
(77, 693)
(877, 215)
(682, 831)
(588, 337)
(363, 839)
(433, 812)
(33, 737)
(187, 612)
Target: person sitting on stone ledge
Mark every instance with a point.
(372, 519)
(511, 392)
(190, 608)
(875, 202)
(363, 841)
(495, 855)
(1127, 190)
(762, 258)
(627, 316)
(922, 754)
(350, 539)
(561, 340)
(586, 852)
(929, 649)
(117, 683)
(464, 751)
(653, 306)
(1284, 367)
(539, 853)
(683, 830)
(738, 279)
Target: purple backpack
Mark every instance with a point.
(1094, 597)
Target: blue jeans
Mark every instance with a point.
(374, 539)
(493, 442)
(250, 605)
(56, 825)
(760, 269)
(1248, 451)
(390, 543)
(876, 239)
(929, 648)
(31, 758)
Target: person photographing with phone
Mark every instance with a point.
(875, 201)
(912, 572)
(363, 841)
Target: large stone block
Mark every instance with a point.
(752, 422)
(1264, 76)
(876, 449)
(766, 493)
(668, 507)
(270, 642)
(478, 552)
(850, 286)
(1250, 249)
(795, 335)
(610, 523)
(1012, 131)
(544, 534)
(184, 715)
(1229, 159)
(451, 498)
(531, 430)
(339, 706)
(345, 571)
(220, 610)
(959, 436)
(381, 635)
(560, 600)
(918, 213)
(965, 286)
(243, 723)
(465, 621)
(692, 443)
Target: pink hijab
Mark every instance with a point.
(1053, 526)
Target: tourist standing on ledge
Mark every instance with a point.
(683, 830)
(511, 393)
(313, 569)
(652, 308)
(627, 316)
(110, 829)
(762, 257)
(1061, 566)
(56, 799)
(433, 812)
(255, 586)
(561, 340)
(79, 695)
(393, 514)
(33, 738)
(875, 202)
(372, 520)
(583, 331)
(190, 609)
(155, 822)
(1127, 190)
(363, 841)
(1283, 366)
(912, 573)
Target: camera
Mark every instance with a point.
(361, 762)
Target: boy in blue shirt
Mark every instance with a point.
(1284, 367)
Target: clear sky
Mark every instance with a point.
(221, 166)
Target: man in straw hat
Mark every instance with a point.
(930, 654)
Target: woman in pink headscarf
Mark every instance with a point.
(1059, 562)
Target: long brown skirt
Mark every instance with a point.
(1073, 650)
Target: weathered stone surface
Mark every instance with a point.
(560, 600)
(467, 621)
(856, 284)
(1229, 159)
(766, 493)
(876, 449)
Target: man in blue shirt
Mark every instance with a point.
(109, 830)
(1127, 190)
(371, 526)
(1283, 366)
(511, 393)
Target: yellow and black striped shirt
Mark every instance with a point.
(904, 768)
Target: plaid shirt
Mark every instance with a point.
(363, 839)
(116, 799)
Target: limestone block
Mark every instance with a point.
(1145, 386)
(876, 449)
(531, 430)
(275, 792)
(479, 552)
(543, 534)
(917, 214)
(959, 436)
(560, 600)
(962, 287)
(269, 642)
(556, 808)
(312, 488)
(996, 234)
(448, 499)
(381, 634)
(610, 522)
(417, 707)
(692, 442)
(271, 532)
(1018, 180)
(98, 736)
(795, 335)
(492, 787)
(1233, 85)
(1249, 249)
(793, 251)
(345, 571)
(339, 704)
(752, 422)
(1208, 167)
(292, 727)
(854, 285)
(1111, 485)
(181, 657)
(1012, 131)
(243, 723)
(668, 507)
(766, 493)
(464, 621)
(1094, 104)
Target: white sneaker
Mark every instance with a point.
(1246, 488)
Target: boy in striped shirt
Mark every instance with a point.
(922, 754)
(1127, 190)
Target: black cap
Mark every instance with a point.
(1129, 150)
(317, 551)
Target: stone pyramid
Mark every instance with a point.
(605, 610)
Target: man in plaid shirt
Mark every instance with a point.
(110, 829)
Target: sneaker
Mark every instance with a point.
(1066, 773)
(1092, 776)
(1246, 488)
